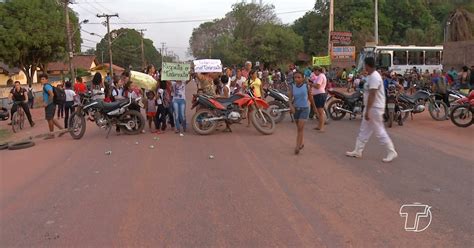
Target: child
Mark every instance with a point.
(150, 108)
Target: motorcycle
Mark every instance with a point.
(415, 104)
(462, 114)
(392, 111)
(345, 104)
(105, 115)
(4, 114)
(230, 110)
(279, 106)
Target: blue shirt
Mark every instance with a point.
(46, 89)
(300, 96)
(307, 73)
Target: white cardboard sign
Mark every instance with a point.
(207, 65)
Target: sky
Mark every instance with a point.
(175, 35)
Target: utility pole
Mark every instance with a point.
(331, 25)
(162, 52)
(69, 42)
(107, 21)
(143, 49)
(376, 22)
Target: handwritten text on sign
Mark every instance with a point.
(207, 65)
(320, 61)
(175, 71)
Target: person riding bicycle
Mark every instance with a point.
(19, 96)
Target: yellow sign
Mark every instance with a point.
(319, 61)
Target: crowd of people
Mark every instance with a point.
(307, 90)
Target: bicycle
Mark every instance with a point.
(18, 118)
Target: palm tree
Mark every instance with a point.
(461, 23)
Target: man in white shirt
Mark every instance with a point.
(374, 102)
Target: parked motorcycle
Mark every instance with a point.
(230, 110)
(106, 115)
(393, 111)
(462, 114)
(415, 104)
(345, 104)
(279, 106)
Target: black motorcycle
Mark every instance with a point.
(415, 104)
(343, 104)
(279, 106)
(392, 107)
(106, 115)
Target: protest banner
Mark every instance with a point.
(320, 61)
(207, 65)
(175, 71)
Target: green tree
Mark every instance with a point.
(273, 44)
(403, 22)
(126, 49)
(245, 33)
(32, 34)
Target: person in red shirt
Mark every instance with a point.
(80, 87)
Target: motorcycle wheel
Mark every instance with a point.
(204, 128)
(77, 125)
(136, 121)
(405, 115)
(333, 112)
(462, 116)
(263, 121)
(391, 116)
(438, 110)
(276, 116)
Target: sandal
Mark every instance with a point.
(297, 151)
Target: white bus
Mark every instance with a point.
(403, 58)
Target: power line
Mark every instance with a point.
(93, 6)
(80, 6)
(91, 33)
(186, 21)
(90, 40)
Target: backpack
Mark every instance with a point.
(60, 95)
(112, 97)
(30, 94)
(55, 93)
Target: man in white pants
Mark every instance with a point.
(374, 102)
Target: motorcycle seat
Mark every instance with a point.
(109, 106)
(345, 96)
(226, 101)
(408, 98)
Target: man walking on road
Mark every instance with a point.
(374, 102)
(50, 107)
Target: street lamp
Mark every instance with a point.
(79, 26)
(446, 31)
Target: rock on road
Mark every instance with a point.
(254, 193)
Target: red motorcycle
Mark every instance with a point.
(462, 114)
(212, 110)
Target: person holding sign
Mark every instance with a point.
(179, 105)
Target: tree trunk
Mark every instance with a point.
(29, 72)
